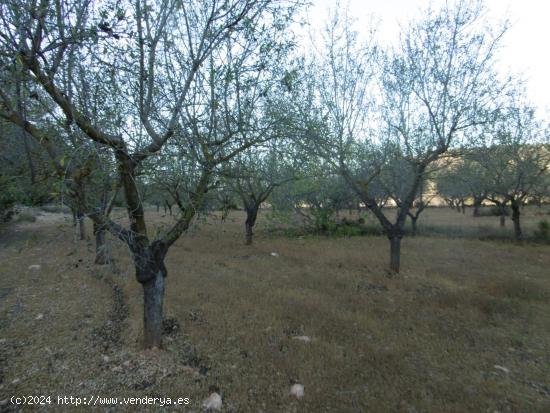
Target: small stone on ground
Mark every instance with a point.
(305, 339)
(297, 390)
(502, 368)
(213, 402)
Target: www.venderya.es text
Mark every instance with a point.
(95, 400)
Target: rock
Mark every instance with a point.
(502, 368)
(106, 359)
(34, 267)
(305, 339)
(15, 381)
(274, 254)
(297, 390)
(213, 402)
(39, 316)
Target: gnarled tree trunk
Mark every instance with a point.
(414, 219)
(477, 205)
(395, 234)
(516, 219)
(502, 213)
(151, 272)
(251, 215)
(102, 248)
(153, 298)
(395, 252)
(168, 206)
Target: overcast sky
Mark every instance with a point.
(525, 45)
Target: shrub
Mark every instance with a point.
(325, 225)
(348, 230)
(322, 219)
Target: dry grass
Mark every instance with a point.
(449, 222)
(427, 340)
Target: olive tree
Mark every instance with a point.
(254, 175)
(436, 85)
(65, 165)
(394, 181)
(515, 160)
(461, 180)
(155, 52)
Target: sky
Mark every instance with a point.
(524, 50)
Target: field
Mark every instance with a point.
(465, 326)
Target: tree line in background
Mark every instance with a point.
(201, 105)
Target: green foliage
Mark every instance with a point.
(356, 228)
(325, 224)
(15, 191)
(322, 219)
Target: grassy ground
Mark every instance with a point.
(444, 221)
(464, 327)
